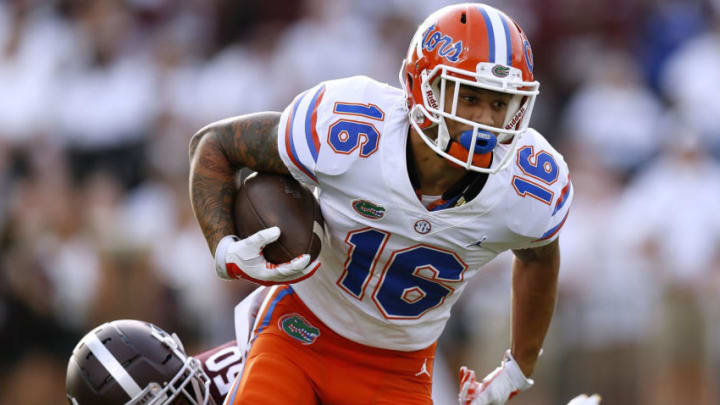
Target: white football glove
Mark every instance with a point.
(495, 389)
(242, 258)
(585, 400)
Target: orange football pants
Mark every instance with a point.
(296, 359)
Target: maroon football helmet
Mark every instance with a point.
(133, 362)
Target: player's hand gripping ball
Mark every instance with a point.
(267, 200)
(280, 229)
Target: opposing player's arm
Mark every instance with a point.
(217, 152)
(534, 293)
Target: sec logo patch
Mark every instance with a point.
(422, 226)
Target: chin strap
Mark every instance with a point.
(457, 150)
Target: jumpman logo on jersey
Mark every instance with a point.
(423, 370)
(478, 243)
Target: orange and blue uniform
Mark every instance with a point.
(317, 366)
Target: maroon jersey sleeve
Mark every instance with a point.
(222, 364)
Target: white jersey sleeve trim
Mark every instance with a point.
(298, 140)
(560, 213)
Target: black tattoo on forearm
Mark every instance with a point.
(217, 152)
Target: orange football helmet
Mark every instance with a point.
(476, 45)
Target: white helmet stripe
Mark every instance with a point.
(498, 35)
(112, 365)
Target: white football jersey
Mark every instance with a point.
(391, 270)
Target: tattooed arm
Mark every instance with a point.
(217, 152)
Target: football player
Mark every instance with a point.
(137, 346)
(419, 188)
(135, 362)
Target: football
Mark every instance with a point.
(265, 200)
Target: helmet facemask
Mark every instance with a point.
(190, 385)
(435, 91)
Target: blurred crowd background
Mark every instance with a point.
(99, 98)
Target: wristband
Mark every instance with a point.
(220, 253)
(516, 375)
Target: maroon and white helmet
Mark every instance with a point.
(134, 362)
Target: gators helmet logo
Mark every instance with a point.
(500, 71)
(445, 46)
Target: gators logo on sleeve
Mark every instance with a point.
(299, 328)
